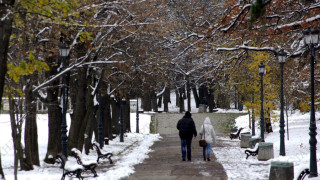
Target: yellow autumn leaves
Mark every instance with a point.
(26, 67)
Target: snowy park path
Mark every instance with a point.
(165, 163)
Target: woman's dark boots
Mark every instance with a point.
(208, 158)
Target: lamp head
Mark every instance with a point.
(262, 69)
(282, 56)
(311, 36)
(63, 50)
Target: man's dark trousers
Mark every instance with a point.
(184, 143)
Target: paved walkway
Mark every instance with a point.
(165, 163)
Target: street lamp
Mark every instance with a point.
(262, 71)
(282, 59)
(137, 112)
(311, 38)
(121, 119)
(137, 119)
(64, 53)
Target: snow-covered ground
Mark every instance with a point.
(132, 151)
(137, 146)
(296, 149)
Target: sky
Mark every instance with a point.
(137, 147)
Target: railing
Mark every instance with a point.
(41, 107)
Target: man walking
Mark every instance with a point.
(187, 129)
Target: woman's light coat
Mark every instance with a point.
(207, 132)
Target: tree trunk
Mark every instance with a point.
(160, 101)
(88, 124)
(126, 116)
(189, 96)
(31, 129)
(253, 117)
(268, 125)
(249, 119)
(115, 116)
(5, 33)
(54, 126)
(106, 116)
(16, 137)
(54, 114)
(201, 93)
(153, 98)
(91, 124)
(223, 100)
(16, 127)
(181, 100)
(210, 100)
(236, 98)
(1, 170)
(177, 98)
(78, 92)
(166, 100)
(78, 95)
(196, 97)
(147, 102)
(253, 120)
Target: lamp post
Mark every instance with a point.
(137, 112)
(261, 72)
(64, 52)
(137, 119)
(121, 120)
(282, 59)
(311, 38)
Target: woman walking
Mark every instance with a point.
(207, 133)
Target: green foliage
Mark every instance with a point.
(86, 36)
(56, 10)
(60, 12)
(26, 67)
(11, 92)
(247, 80)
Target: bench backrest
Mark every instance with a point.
(60, 158)
(76, 153)
(239, 131)
(97, 149)
(256, 147)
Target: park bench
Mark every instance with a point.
(236, 134)
(100, 154)
(303, 174)
(69, 169)
(87, 165)
(252, 152)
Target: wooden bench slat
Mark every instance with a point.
(68, 168)
(252, 152)
(101, 155)
(87, 165)
(235, 135)
(303, 174)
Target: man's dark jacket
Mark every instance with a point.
(186, 128)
